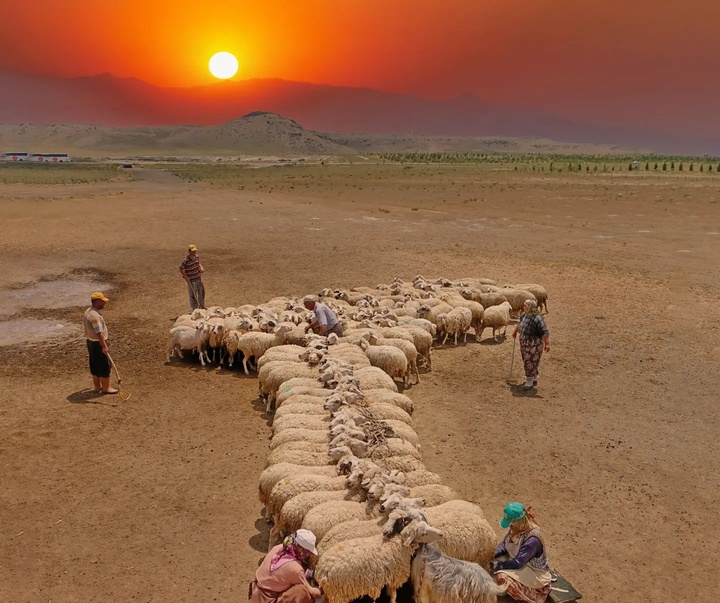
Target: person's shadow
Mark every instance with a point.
(519, 391)
(90, 396)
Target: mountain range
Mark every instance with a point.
(105, 100)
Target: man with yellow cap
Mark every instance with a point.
(191, 270)
(96, 336)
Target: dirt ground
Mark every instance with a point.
(155, 498)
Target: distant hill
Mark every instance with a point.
(257, 133)
(105, 100)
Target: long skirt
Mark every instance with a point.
(521, 592)
(531, 349)
(196, 293)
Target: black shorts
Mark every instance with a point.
(99, 362)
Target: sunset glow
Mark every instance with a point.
(598, 62)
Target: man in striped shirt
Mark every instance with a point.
(191, 270)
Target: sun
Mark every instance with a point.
(223, 65)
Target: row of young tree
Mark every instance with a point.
(637, 162)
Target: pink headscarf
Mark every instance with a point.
(285, 555)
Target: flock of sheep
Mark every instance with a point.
(344, 460)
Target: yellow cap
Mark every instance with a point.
(98, 295)
(192, 248)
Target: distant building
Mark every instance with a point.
(50, 157)
(15, 156)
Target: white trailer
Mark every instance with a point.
(15, 156)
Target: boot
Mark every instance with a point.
(529, 383)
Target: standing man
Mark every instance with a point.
(96, 335)
(326, 321)
(191, 270)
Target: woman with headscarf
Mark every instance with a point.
(282, 577)
(534, 338)
(520, 559)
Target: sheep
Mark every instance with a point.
(231, 341)
(517, 298)
(290, 518)
(272, 475)
(185, 320)
(293, 485)
(189, 338)
(388, 447)
(376, 484)
(356, 528)
(373, 396)
(254, 345)
(348, 353)
(290, 353)
(298, 457)
(422, 340)
(217, 334)
(292, 407)
(299, 435)
(538, 291)
(457, 301)
(272, 375)
(458, 321)
(431, 494)
(304, 395)
(322, 517)
(496, 317)
(467, 534)
(406, 347)
(374, 378)
(363, 566)
(389, 358)
(420, 322)
(438, 578)
(431, 312)
(380, 411)
(487, 300)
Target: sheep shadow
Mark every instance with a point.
(492, 340)
(259, 406)
(259, 541)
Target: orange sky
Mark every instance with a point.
(557, 54)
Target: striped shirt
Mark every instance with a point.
(94, 325)
(191, 267)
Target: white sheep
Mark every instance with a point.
(467, 534)
(538, 291)
(287, 352)
(189, 339)
(272, 475)
(373, 396)
(358, 567)
(496, 317)
(293, 485)
(275, 373)
(299, 435)
(517, 298)
(406, 347)
(356, 528)
(290, 518)
(324, 516)
(389, 359)
(456, 322)
(431, 494)
(422, 340)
